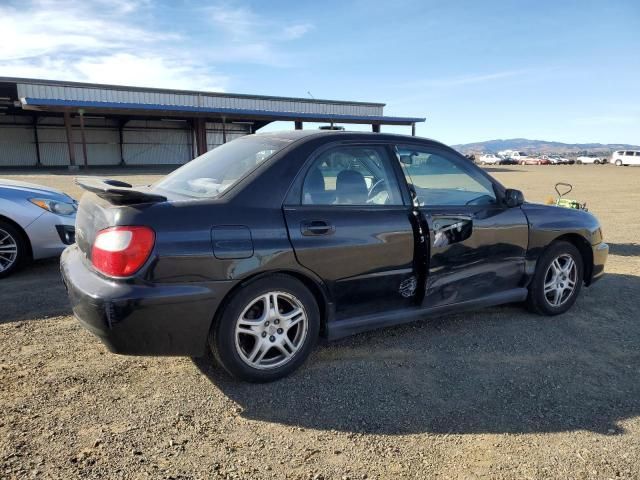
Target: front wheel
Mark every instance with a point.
(13, 249)
(618, 163)
(266, 330)
(557, 280)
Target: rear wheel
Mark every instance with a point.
(12, 249)
(579, 162)
(596, 162)
(557, 280)
(267, 329)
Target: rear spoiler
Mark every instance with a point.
(117, 192)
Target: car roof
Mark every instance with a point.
(345, 134)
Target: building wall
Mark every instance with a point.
(145, 142)
(17, 143)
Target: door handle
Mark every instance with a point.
(316, 227)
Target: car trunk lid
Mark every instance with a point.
(108, 203)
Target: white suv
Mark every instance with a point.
(590, 159)
(626, 157)
(489, 159)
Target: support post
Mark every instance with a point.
(201, 136)
(72, 152)
(298, 125)
(224, 131)
(37, 142)
(413, 129)
(121, 140)
(192, 138)
(82, 136)
(375, 127)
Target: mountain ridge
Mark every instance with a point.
(540, 146)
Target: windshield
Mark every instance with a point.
(214, 172)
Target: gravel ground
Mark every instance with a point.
(498, 393)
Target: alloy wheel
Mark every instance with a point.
(271, 330)
(560, 280)
(8, 250)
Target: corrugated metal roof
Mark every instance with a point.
(178, 92)
(200, 100)
(232, 112)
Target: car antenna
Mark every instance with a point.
(311, 95)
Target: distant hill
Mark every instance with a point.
(541, 146)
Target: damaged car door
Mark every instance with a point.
(477, 243)
(352, 227)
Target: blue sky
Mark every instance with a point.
(554, 70)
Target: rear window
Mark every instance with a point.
(209, 175)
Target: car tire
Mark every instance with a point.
(483, 163)
(553, 291)
(244, 327)
(596, 162)
(618, 163)
(13, 249)
(579, 162)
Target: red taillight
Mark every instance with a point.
(121, 251)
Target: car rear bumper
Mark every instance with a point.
(600, 254)
(141, 319)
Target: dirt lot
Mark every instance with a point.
(498, 393)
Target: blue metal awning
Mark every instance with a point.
(231, 113)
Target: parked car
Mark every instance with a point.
(260, 246)
(507, 161)
(590, 159)
(556, 160)
(35, 222)
(489, 159)
(534, 161)
(626, 157)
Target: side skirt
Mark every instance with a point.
(344, 328)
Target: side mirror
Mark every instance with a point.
(513, 197)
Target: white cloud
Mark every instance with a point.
(44, 28)
(119, 69)
(254, 38)
(151, 71)
(119, 42)
(293, 32)
(461, 80)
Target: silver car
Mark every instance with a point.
(35, 222)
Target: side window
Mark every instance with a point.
(628, 154)
(351, 175)
(440, 179)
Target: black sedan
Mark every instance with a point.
(260, 246)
